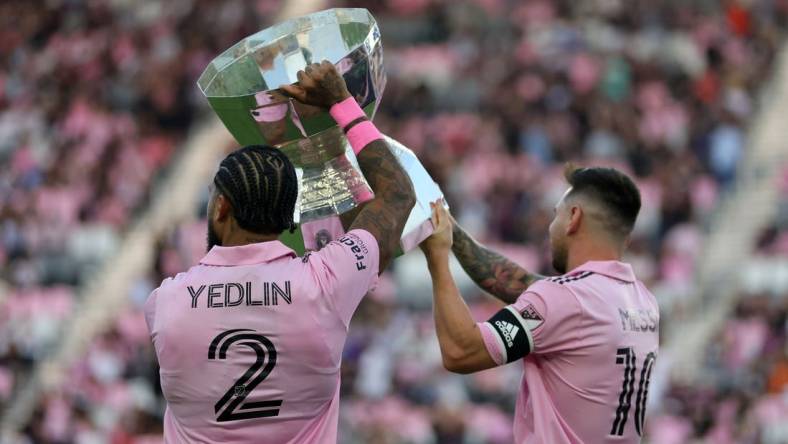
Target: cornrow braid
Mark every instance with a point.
(261, 184)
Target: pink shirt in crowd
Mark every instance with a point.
(588, 342)
(250, 341)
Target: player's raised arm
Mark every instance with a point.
(491, 271)
(461, 342)
(384, 216)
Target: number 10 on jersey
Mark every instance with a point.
(626, 357)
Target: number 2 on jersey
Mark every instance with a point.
(626, 357)
(235, 396)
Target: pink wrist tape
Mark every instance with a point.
(362, 133)
(346, 111)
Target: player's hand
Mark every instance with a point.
(319, 84)
(439, 242)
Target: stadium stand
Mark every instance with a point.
(494, 96)
(740, 395)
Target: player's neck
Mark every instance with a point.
(240, 237)
(592, 251)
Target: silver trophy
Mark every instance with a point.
(241, 85)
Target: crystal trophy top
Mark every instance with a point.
(241, 85)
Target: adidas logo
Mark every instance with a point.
(509, 332)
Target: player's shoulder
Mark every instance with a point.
(176, 281)
(357, 249)
(547, 290)
(358, 236)
(648, 294)
(548, 297)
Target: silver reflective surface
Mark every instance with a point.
(241, 85)
(273, 56)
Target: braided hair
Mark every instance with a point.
(261, 184)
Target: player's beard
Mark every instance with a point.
(213, 237)
(560, 255)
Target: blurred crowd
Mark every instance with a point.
(773, 240)
(742, 393)
(742, 396)
(493, 95)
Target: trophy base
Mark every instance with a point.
(323, 225)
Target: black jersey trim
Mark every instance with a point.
(567, 278)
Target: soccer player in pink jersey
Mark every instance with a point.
(587, 340)
(250, 341)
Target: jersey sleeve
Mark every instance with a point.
(346, 269)
(545, 319)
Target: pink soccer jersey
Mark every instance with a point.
(588, 341)
(250, 341)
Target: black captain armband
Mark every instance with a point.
(513, 335)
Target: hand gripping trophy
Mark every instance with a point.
(241, 87)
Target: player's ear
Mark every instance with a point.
(223, 209)
(575, 219)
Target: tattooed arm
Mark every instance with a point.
(384, 216)
(491, 271)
